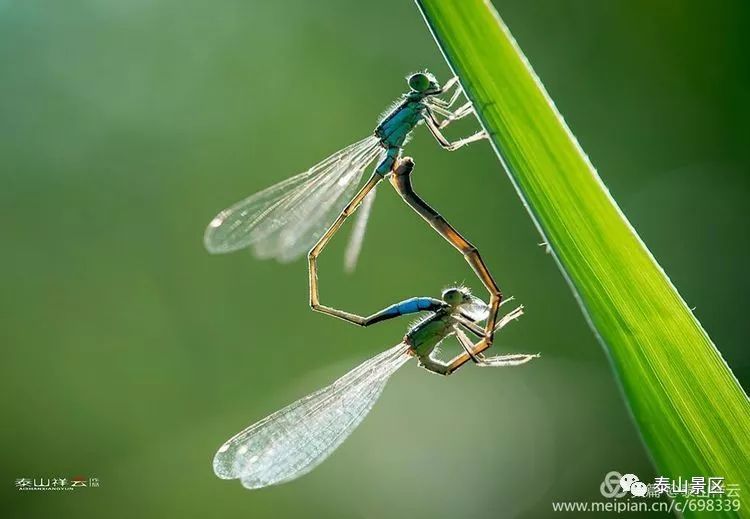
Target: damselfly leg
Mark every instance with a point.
(312, 257)
(515, 359)
(430, 362)
(473, 352)
(401, 180)
(460, 113)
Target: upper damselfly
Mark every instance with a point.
(302, 213)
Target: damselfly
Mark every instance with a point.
(287, 219)
(293, 441)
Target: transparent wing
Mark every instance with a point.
(293, 441)
(306, 222)
(285, 220)
(354, 247)
(475, 309)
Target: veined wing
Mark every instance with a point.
(354, 247)
(294, 440)
(285, 220)
(305, 219)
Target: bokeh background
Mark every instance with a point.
(130, 354)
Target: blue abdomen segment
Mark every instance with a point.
(409, 306)
(413, 305)
(386, 165)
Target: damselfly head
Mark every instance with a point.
(460, 298)
(423, 82)
(456, 295)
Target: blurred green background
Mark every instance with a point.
(130, 354)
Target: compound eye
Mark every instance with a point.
(419, 82)
(452, 296)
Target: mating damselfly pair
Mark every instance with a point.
(301, 215)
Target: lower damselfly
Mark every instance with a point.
(294, 440)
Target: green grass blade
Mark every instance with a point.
(690, 409)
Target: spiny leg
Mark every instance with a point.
(448, 85)
(479, 331)
(434, 365)
(476, 349)
(312, 257)
(515, 359)
(434, 126)
(460, 113)
(401, 180)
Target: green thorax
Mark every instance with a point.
(397, 124)
(427, 334)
